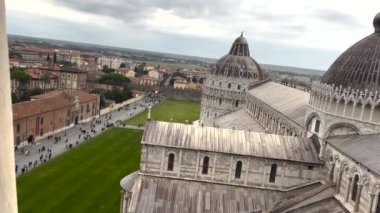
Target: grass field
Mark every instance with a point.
(85, 179)
(179, 111)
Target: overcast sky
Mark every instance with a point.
(302, 33)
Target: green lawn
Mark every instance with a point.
(179, 111)
(86, 179)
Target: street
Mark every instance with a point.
(31, 156)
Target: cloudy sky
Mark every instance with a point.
(302, 33)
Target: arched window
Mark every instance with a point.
(355, 188)
(229, 85)
(273, 173)
(213, 83)
(171, 162)
(220, 84)
(206, 160)
(238, 86)
(220, 101)
(208, 113)
(317, 125)
(236, 103)
(239, 164)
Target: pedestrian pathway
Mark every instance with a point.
(31, 156)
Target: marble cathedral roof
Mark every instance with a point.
(230, 141)
(286, 100)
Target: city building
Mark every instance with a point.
(42, 79)
(52, 112)
(126, 72)
(88, 61)
(156, 74)
(180, 84)
(146, 80)
(280, 150)
(71, 56)
(113, 63)
(72, 78)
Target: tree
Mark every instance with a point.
(118, 95)
(107, 70)
(23, 78)
(20, 76)
(36, 91)
(55, 58)
(122, 65)
(194, 79)
(48, 57)
(45, 79)
(114, 79)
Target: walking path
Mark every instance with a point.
(74, 136)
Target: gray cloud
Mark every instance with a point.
(333, 16)
(130, 11)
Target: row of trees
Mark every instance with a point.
(120, 91)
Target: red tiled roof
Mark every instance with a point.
(29, 108)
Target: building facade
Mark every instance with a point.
(72, 78)
(52, 112)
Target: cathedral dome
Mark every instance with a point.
(359, 66)
(238, 63)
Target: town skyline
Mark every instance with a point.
(295, 33)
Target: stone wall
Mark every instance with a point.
(342, 170)
(255, 172)
(272, 120)
(173, 93)
(221, 95)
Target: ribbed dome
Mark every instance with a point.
(238, 63)
(359, 66)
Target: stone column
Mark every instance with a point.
(375, 203)
(357, 198)
(348, 189)
(323, 150)
(331, 171)
(371, 198)
(8, 197)
(122, 201)
(337, 189)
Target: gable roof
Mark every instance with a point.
(230, 141)
(29, 108)
(288, 101)
(364, 149)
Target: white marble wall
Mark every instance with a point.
(272, 120)
(255, 171)
(342, 170)
(221, 95)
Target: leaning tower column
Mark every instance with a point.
(8, 198)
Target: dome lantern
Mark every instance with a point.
(376, 23)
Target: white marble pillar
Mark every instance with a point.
(357, 198)
(8, 197)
